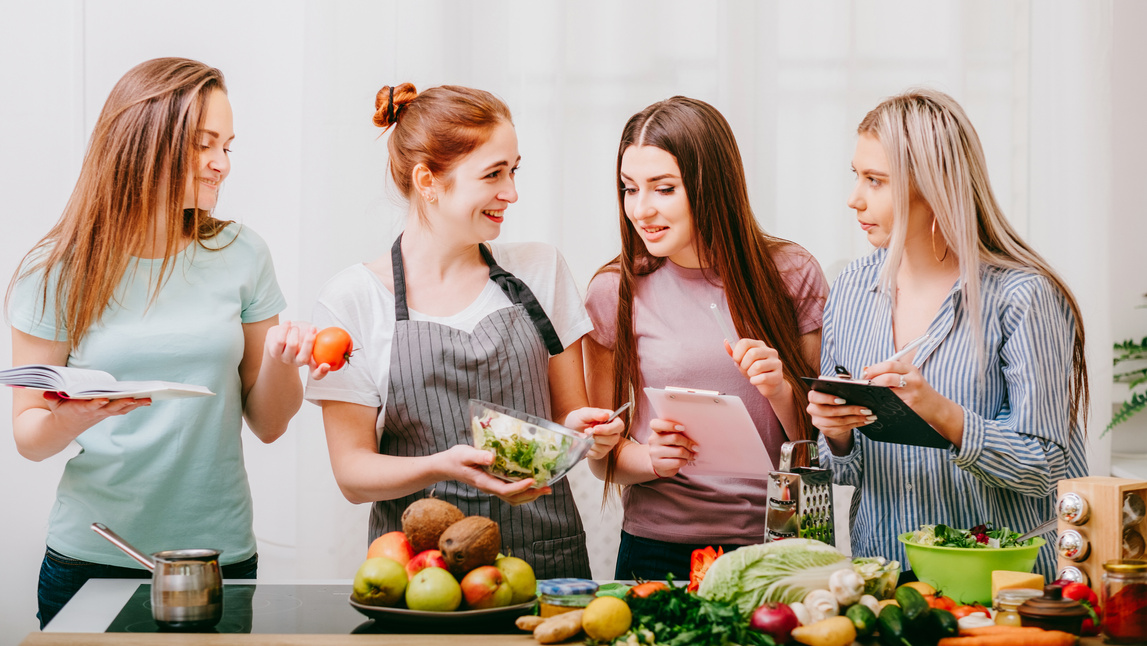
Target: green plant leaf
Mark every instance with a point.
(1129, 408)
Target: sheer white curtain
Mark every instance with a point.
(309, 174)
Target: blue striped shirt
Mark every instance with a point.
(1017, 441)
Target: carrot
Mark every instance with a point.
(1021, 637)
(997, 630)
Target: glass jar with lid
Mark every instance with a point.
(1008, 600)
(1125, 601)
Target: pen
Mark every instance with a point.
(614, 414)
(730, 335)
(910, 347)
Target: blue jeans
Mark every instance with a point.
(651, 559)
(61, 577)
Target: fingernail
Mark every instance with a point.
(679, 428)
(838, 400)
(870, 418)
(865, 411)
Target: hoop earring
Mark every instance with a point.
(933, 239)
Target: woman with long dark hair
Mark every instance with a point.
(689, 239)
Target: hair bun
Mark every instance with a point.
(389, 101)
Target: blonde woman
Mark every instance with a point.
(138, 279)
(1001, 375)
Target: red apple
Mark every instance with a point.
(485, 587)
(392, 545)
(423, 560)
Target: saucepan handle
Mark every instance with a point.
(115, 539)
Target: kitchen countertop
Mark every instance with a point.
(99, 602)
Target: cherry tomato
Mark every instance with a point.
(964, 611)
(940, 601)
(1077, 591)
(645, 589)
(333, 346)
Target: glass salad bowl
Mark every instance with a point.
(524, 445)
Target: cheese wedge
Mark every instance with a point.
(1002, 579)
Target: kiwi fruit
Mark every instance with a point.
(424, 521)
(471, 542)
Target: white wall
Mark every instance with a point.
(1058, 106)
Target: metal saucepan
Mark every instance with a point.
(186, 586)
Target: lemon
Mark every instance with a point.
(920, 586)
(606, 618)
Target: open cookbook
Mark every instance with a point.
(80, 383)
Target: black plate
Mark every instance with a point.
(456, 618)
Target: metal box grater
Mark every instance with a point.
(800, 499)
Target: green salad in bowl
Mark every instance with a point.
(525, 446)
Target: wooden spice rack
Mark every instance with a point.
(1103, 530)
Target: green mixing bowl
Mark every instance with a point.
(965, 574)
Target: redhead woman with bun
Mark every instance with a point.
(444, 316)
(138, 279)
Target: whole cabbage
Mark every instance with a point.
(784, 571)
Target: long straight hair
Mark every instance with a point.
(135, 170)
(729, 242)
(934, 152)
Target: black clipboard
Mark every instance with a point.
(895, 421)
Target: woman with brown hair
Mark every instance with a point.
(138, 279)
(444, 317)
(688, 239)
(1001, 375)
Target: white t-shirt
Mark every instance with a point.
(356, 300)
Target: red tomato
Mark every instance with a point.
(1080, 592)
(964, 611)
(645, 589)
(940, 601)
(333, 346)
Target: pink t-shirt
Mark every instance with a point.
(679, 344)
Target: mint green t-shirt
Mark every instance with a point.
(170, 475)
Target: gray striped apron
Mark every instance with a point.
(434, 372)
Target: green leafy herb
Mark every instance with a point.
(676, 617)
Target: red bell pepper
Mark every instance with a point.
(699, 565)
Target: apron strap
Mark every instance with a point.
(520, 293)
(401, 312)
(516, 290)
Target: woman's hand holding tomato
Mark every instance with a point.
(591, 421)
(333, 347)
(291, 343)
(761, 365)
(669, 448)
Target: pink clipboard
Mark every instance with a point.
(728, 444)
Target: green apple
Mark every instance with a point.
(380, 582)
(433, 589)
(520, 577)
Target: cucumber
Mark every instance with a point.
(890, 624)
(863, 619)
(916, 609)
(943, 624)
